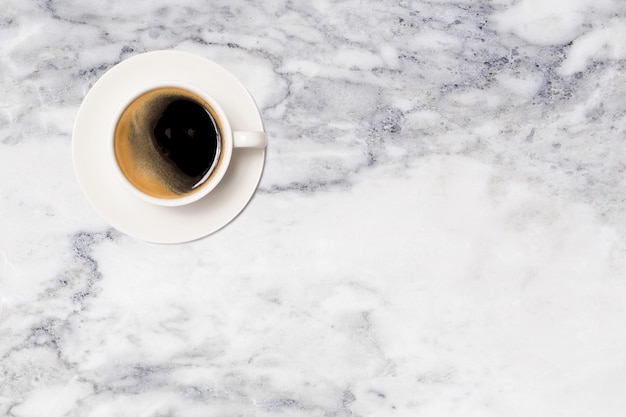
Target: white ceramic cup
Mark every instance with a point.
(140, 169)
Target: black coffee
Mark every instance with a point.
(167, 142)
(186, 136)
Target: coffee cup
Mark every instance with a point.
(171, 143)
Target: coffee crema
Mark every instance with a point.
(167, 142)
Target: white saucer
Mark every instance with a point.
(106, 193)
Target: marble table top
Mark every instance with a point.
(440, 228)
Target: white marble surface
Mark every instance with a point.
(440, 229)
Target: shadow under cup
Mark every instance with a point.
(168, 143)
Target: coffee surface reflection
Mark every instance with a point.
(167, 142)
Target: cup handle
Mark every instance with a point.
(245, 139)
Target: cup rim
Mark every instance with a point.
(224, 157)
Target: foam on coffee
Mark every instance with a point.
(167, 142)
